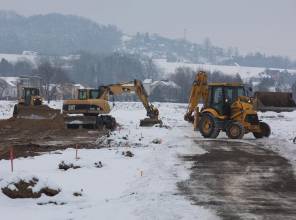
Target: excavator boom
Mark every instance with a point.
(94, 102)
(199, 92)
(137, 87)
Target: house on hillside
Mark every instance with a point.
(162, 90)
(8, 88)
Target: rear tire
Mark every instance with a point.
(235, 130)
(265, 131)
(208, 126)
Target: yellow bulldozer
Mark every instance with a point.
(91, 107)
(30, 106)
(226, 107)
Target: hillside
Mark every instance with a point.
(55, 34)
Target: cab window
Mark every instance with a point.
(94, 94)
(82, 94)
(241, 91)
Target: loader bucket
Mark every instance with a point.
(39, 112)
(274, 101)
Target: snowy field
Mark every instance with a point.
(138, 187)
(244, 71)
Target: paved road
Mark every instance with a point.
(241, 181)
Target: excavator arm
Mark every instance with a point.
(199, 92)
(137, 87)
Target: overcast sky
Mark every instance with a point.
(252, 25)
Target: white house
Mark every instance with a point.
(8, 87)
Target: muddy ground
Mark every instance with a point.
(32, 137)
(241, 181)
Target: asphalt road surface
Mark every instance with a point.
(240, 180)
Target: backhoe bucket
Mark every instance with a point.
(148, 122)
(35, 112)
(274, 101)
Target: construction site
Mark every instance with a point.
(187, 113)
(239, 144)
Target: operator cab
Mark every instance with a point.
(222, 96)
(84, 94)
(31, 96)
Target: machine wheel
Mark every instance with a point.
(235, 130)
(265, 130)
(208, 126)
(106, 121)
(15, 111)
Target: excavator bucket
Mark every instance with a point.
(148, 122)
(274, 101)
(38, 112)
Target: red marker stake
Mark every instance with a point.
(11, 158)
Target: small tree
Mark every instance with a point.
(294, 91)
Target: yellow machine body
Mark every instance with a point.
(225, 108)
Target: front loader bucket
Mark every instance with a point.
(39, 112)
(274, 101)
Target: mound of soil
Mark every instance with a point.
(23, 189)
(127, 153)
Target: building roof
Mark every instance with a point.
(11, 81)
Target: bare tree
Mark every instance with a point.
(50, 75)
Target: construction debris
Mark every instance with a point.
(127, 153)
(156, 141)
(98, 164)
(64, 166)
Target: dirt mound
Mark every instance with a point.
(41, 112)
(24, 189)
(20, 124)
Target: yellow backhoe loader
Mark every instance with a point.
(92, 106)
(30, 106)
(226, 107)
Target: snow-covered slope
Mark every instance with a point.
(244, 71)
(13, 58)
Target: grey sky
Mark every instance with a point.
(251, 25)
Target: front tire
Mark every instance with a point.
(208, 126)
(15, 110)
(235, 130)
(265, 130)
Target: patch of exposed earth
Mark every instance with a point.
(32, 137)
(240, 180)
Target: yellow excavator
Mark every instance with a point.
(226, 107)
(92, 106)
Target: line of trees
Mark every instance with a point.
(95, 70)
(184, 77)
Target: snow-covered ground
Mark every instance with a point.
(25, 56)
(138, 187)
(244, 71)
